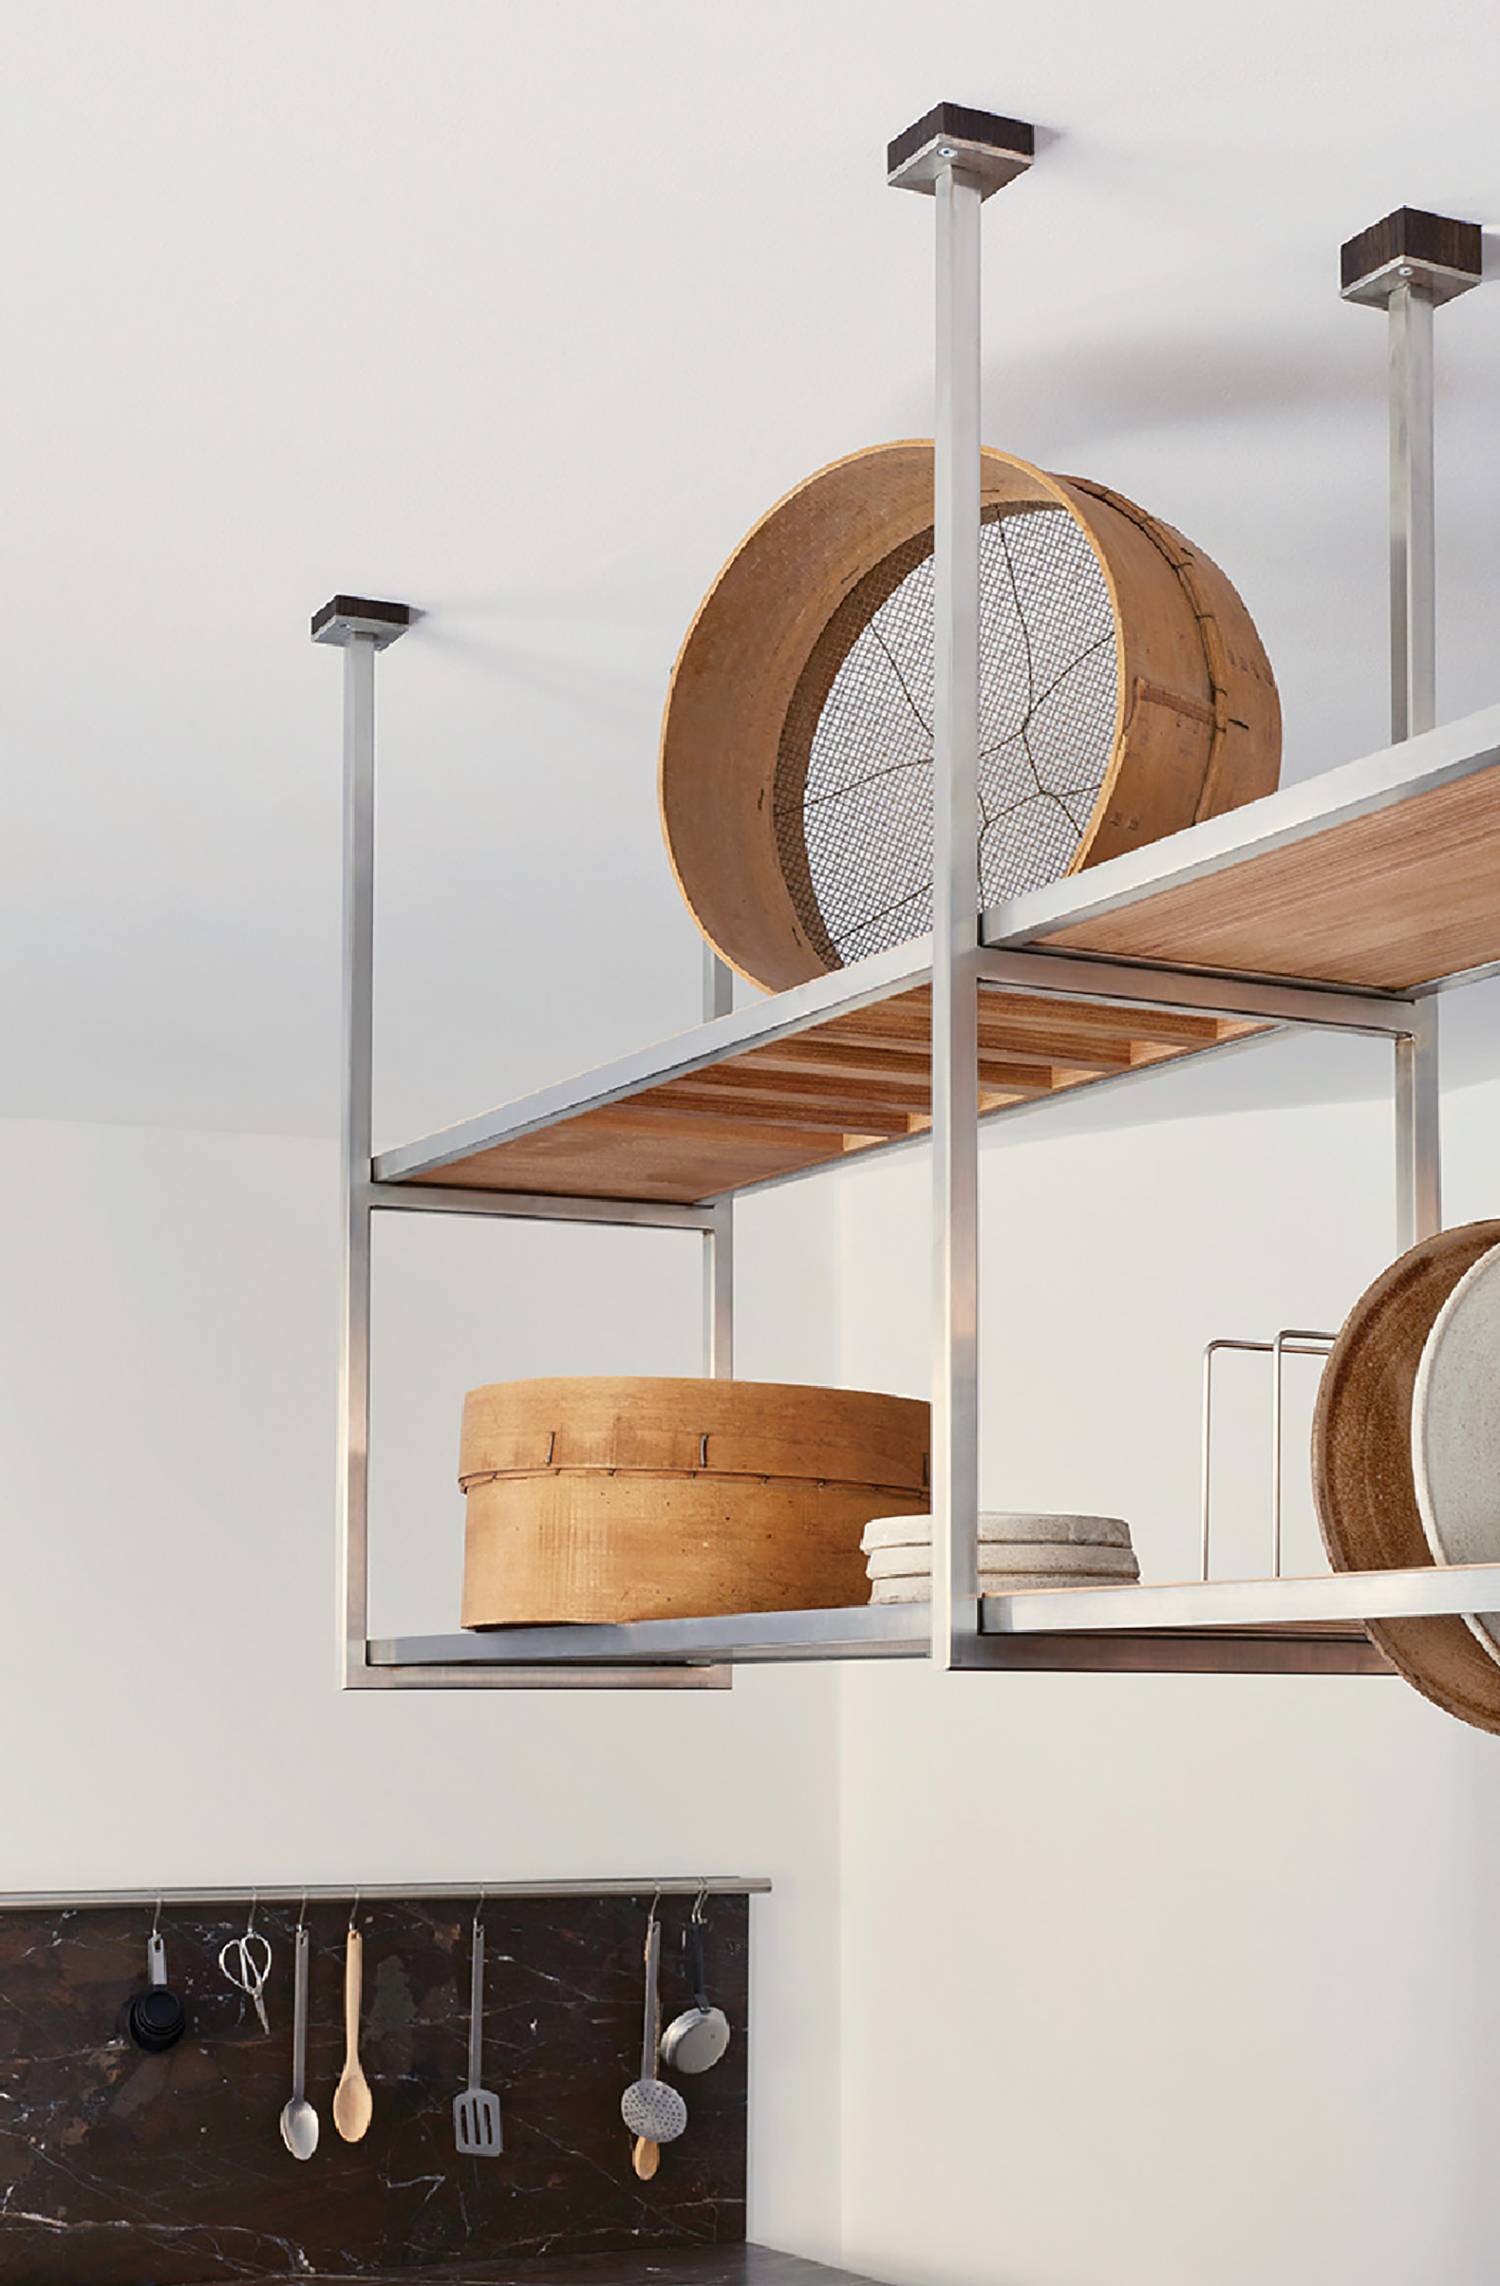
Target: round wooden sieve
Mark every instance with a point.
(1124, 694)
(1362, 1466)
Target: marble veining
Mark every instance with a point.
(123, 2169)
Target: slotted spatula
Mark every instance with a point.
(476, 2112)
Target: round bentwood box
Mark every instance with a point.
(607, 1500)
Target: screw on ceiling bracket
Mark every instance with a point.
(1432, 252)
(992, 149)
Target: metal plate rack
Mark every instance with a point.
(1343, 903)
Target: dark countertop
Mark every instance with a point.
(657, 2266)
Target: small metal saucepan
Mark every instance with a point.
(696, 2039)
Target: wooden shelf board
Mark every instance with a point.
(1379, 875)
(1386, 902)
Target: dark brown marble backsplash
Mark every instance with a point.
(124, 2169)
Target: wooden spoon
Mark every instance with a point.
(646, 2157)
(353, 2104)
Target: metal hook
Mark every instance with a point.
(478, 1910)
(250, 1916)
(701, 1900)
(302, 1915)
(354, 1909)
(653, 1930)
(156, 1921)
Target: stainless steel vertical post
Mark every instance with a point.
(361, 627)
(718, 1242)
(1419, 1211)
(1413, 558)
(355, 1155)
(955, 926)
(1407, 265)
(959, 156)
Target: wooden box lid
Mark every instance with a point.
(724, 1428)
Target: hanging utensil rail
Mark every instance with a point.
(372, 1892)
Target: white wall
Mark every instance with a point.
(541, 382)
(1160, 1978)
(167, 1351)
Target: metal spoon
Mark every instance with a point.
(353, 2104)
(299, 2122)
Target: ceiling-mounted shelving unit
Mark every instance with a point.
(1345, 902)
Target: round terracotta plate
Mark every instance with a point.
(1455, 1431)
(1362, 1471)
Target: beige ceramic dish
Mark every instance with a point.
(996, 1583)
(1018, 1550)
(1000, 1524)
(1455, 1432)
(1067, 1561)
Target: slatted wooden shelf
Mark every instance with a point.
(1384, 874)
(793, 1103)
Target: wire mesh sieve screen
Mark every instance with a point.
(853, 788)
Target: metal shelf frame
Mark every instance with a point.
(1277, 1624)
(361, 628)
(959, 158)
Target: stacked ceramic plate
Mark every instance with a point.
(1015, 1551)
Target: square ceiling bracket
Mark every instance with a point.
(995, 150)
(345, 616)
(1409, 248)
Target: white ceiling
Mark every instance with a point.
(523, 312)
